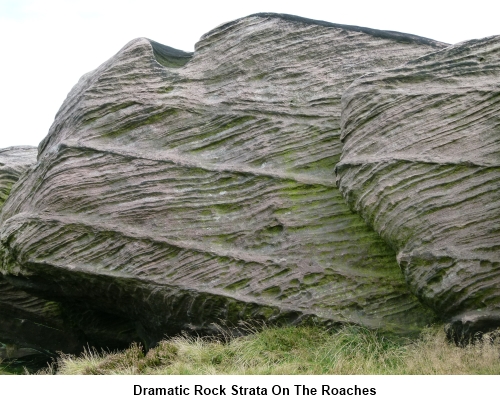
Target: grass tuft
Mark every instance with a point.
(295, 350)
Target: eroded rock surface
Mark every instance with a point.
(421, 164)
(14, 161)
(28, 325)
(31, 325)
(177, 190)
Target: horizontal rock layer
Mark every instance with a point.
(421, 164)
(176, 190)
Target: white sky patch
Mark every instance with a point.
(48, 45)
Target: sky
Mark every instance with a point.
(46, 46)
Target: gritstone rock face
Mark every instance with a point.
(421, 164)
(177, 190)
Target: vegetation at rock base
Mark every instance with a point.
(295, 350)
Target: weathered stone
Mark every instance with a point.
(421, 164)
(28, 325)
(34, 326)
(177, 190)
(14, 161)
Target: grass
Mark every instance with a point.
(295, 350)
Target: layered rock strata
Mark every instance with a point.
(24, 318)
(14, 162)
(20, 312)
(421, 164)
(177, 190)
(33, 326)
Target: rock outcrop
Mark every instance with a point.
(421, 164)
(175, 190)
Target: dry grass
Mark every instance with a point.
(295, 350)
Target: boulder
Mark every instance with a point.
(179, 190)
(421, 164)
